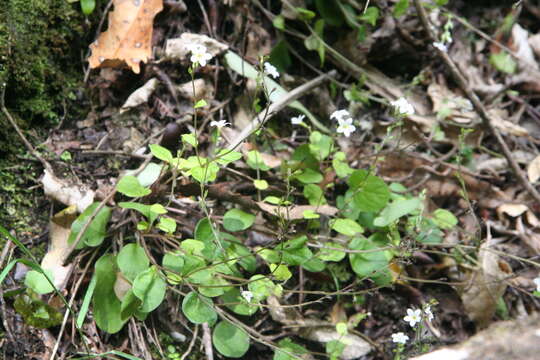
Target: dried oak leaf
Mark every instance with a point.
(129, 36)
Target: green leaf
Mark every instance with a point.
(281, 272)
(444, 219)
(371, 193)
(310, 214)
(150, 288)
(280, 57)
(503, 62)
(189, 139)
(205, 173)
(371, 15)
(96, 231)
(161, 153)
(347, 227)
(396, 210)
(130, 186)
(198, 309)
(339, 163)
(330, 12)
(37, 281)
(203, 231)
(167, 225)
(309, 176)
(132, 260)
(237, 220)
(305, 14)
(401, 8)
(314, 194)
(150, 174)
(313, 42)
(151, 212)
(320, 145)
(288, 346)
(88, 6)
(261, 184)
(225, 156)
(331, 254)
(368, 263)
(261, 287)
(279, 22)
(255, 161)
(230, 340)
(199, 104)
(106, 306)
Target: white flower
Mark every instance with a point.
(413, 317)
(400, 338)
(365, 125)
(247, 295)
(402, 106)
(340, 115)
(537, 283)
(297, 120)
(199, 55)
(219, 124)
(271, 70)
(441, 46)
(428, 313)
(346, 127)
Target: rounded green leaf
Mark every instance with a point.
(130, 186)
(444, 219)
(234, 301)
(132, 260)
(396, 210)
(230, 340)
(310, 176)
(150, 288)
(198, 309)
(37, 281)
(370, 192)
(347, 227)
(237, 220)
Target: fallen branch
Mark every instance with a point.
(478, 106)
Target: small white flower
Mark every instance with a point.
(340, 115)
(400, 338)
(428, 313)
(441, 46)
(346, 127)
(271, 70)
(402, 106)
(413, 317)
(219, 124)
(199, 55)
(297, 120)
(247, 295)
(537, 283)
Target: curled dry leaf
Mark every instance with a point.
(67, 194)
(128, 40)
(296, 212)
(485, 285)
(178, 48)
(141, 95)
(533, 170)
(514, 210)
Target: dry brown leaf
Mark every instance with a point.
(178, 48)
(141, 95)
(296, 212)
(129, 36)
(498, 117)
(514, 210)
(533, 170)
(67, 194)
(485, 286)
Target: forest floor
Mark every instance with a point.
(295, 179)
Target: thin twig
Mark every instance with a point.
(276, 106)
(207, 341)
(478, 106)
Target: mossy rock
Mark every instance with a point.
(40, 56)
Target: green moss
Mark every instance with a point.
(39, 55)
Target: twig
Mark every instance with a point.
(207, 341)
(276, 106)
(478, 106)
(191, 343)
(29, 146)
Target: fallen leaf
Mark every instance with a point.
(178, 48)
(196, 90)
(296, 212)
(533, 170)
(514, 210)
(141, 95)
(67, 194)
(129, 36)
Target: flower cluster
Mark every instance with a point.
(199, 54)
(400, 338)
(402, 107)
(298, 120)
(271, 70)
(247, 295)
(415, 316)
(219, 124)
(344, 120)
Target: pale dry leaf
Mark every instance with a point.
(534, 41)
(532, 219)
(498, 118)
(67, 194)
(121, 286)
(296, 212)
(128, 40)
(196, 90)
(513, 210)
(141, 95)
(533, 170)
(179, 48)
(485, 285)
